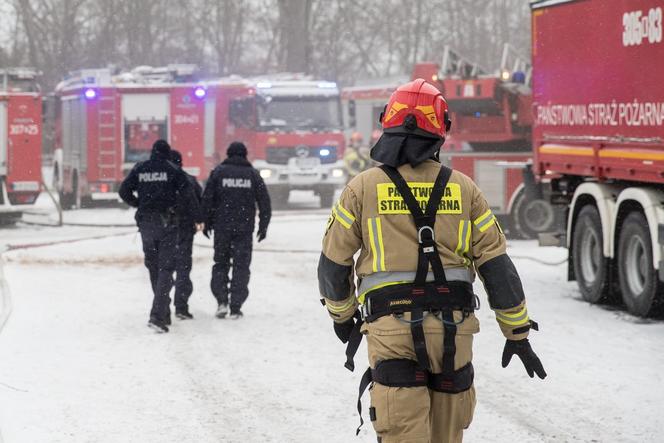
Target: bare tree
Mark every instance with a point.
(294, 16)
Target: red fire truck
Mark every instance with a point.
(490, 137)
(20, 141)
(599, 130)
(108, 122)
(292, 126)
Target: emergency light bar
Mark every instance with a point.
(200, 92)
(90, 93)
(327, 85)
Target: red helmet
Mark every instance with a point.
(414, 107)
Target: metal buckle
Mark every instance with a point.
(425, 228)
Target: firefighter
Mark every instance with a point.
(229, 204)
(423, 232)
(156, 187)
(355, 157)
(183, 260)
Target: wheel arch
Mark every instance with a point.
(649, 202)
(603, 198)
(513, 197)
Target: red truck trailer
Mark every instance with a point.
(598, 101)
(20, 142)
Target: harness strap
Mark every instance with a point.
(353, 343)
(419, 341)
(404, 373)
(449, 344)
(364, 383)
(424, 222)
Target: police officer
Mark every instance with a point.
(423, 231)
(183, 260)
(229, 203)
(156, 187)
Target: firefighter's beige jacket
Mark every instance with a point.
(372, 218)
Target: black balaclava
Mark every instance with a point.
(161, 149)
(406, 144)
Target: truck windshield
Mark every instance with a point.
(288, 113)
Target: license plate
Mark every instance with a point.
(307, 163)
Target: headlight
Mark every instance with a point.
(266, 173)
(336, 173)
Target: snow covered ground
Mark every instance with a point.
(78, 364)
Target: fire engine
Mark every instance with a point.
(292, 127)
(20, 141)
(107, 121)
(599, 135)
(490, 137)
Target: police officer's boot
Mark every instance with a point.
(157, 326)
(222, 310)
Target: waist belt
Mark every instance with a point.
(398, 299)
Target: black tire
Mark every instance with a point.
(639, 283)
(591, 268)
(326, 198)
(531, 217)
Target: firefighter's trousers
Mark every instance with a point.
(417, 414)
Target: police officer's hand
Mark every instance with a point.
(343, 330)
(530, 360)
(261, 234)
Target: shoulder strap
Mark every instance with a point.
(424, 222)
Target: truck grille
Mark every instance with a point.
(280, 155)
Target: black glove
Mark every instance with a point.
(261, 234)
(343, 330)
(530, 360)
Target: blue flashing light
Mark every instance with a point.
(263, 85)
(90, 93)
(200, 92)
(327, 85)
(324, 152)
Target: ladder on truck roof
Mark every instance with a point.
(455, 64)
(107, 138)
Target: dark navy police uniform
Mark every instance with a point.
(186, 231)
(156, 187)
(229, 204)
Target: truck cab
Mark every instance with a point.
(294, 133)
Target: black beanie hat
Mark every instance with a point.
(176, 157)
(237, 149)
(161, 147)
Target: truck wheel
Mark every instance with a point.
(591, 268)
(532, 216)
(639, 284)
(326, 198)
